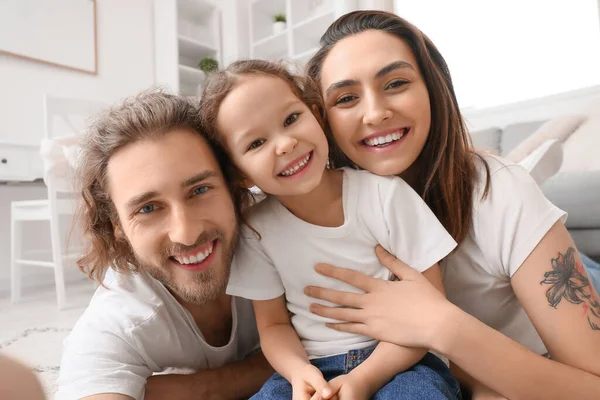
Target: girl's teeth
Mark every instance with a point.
(389, 138)
(295, 168)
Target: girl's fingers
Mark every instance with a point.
(351, 277)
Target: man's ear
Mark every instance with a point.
(118, 232)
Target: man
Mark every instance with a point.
(158, 210)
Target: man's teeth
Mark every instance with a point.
(295, 168)
(199, 257)
(376, 141)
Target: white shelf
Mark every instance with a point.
(307, 33)
(190, 48)
(303, 57)
(196, 9)
(271, 47)
(189, 75)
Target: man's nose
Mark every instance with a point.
(285, 144)
(184, 228)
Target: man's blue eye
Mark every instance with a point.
(200, 190)
(148, 208)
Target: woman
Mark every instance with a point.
(516, 281)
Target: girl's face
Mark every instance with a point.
(272, 136)
(376, 101)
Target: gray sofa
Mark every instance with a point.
(576, 192)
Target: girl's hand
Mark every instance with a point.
(308, 381)
(409, 312)
(348, 387)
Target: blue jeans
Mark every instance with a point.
(593, 270)
(429, 379)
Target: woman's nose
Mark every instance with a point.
(376, 111)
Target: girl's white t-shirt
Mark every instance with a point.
(507, 225)
(377, 210)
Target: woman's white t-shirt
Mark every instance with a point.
(507, 225)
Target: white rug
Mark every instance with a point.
(33, 331)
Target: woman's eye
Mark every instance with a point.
(200, 190)
(290, 119)
(256, 144)
(345, 99)
(396, 84)
(147, 209)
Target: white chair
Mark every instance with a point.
(65, 111)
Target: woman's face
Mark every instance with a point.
(376, 100)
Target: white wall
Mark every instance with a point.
(125, 66)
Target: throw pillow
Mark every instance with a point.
(559, 128)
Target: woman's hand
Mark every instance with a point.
(409, 312)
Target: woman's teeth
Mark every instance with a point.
(297, 167)
(196, 258)
(386, 139)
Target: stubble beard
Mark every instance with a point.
(200, 287)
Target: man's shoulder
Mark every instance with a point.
(126, 301)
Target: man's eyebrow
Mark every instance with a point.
(204, 175)
(144, 197)
(382, 72)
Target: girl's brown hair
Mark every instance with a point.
(145, 117)
(219, 84)
(445, 170)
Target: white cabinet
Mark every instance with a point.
(185, 32)
(306, 22)
(20, 163)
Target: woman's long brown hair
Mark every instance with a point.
(445, 171)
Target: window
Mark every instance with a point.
(506, 51)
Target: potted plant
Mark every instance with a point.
(279, 23)
(208, 65)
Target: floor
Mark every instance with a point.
(33, 330)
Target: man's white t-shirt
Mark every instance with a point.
(507, 225)
(377, 210)
(135, 329)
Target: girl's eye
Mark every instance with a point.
(345, 99)
(200, 190)
(396, 84)
(290, 119)
(256, 144)
(147, 209)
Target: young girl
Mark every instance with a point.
(269, 123)
(525, 321)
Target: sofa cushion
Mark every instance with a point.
(559, 129)
(514, 134)
(581, 148)
(576, 193)
(487, 139)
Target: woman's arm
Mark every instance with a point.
(282, 348)
(427, 319)
(388, 359)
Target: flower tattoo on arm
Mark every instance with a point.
(568, 281)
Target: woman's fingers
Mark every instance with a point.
(351, 277)
(351, 327)
(396, 266)
(337, 313)
(334, 296)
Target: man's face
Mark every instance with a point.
(175, 210)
